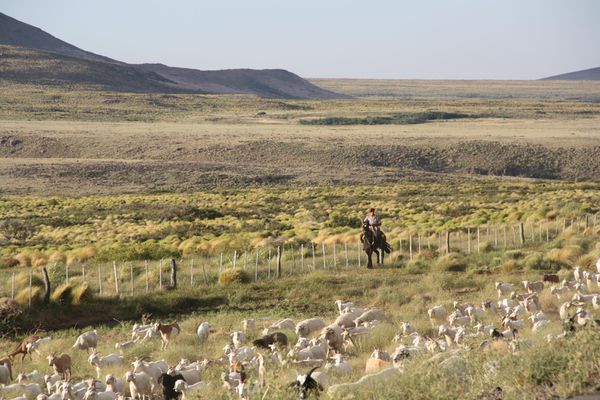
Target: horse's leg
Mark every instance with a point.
(369, 259)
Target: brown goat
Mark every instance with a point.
(166, 332)
(21, 348)
(551, 278)
(61, 365)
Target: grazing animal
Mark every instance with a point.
(277, 338)
(168, 383)
(61, 365)
(377, 245)
(503, 288)
(551, 278)
(307, 385)
(140, 385)
(5, 374)
(308, 326)
(167, 331)
(203, 331)
(185, 388)
(536, 286)
(21, 348)
(100, 362)
(87, 341)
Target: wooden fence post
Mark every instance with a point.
(173, 274)
(99, 281)
(131, 272)
(521, 233)
(358, 253)
(256, 267)
(47, 287)
(279, 261)
(302, 257)
(147, 281)
(314, 266)
(468, 240)
(269, 265)
(116, 278)
(447, 242)
(234, 258)
(410, 255)
(324, 260)
(478, 239)
(30, 285)
(346, 254)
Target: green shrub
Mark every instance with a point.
(537, 262)
(510, 266)
(453, 262)
(514, 254)
(229, 276)
(417, 267)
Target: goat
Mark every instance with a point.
(33, 376)
(140, 385)
(238, 338)
(87, 341)
(114, 384)
(503, 288)
(203, 331)
(34, 346)
(166, 332)
(551, 278)
(61, 365)
(190, 376)
(168, 383)
(185, 388)
(308, 326)
(248, 325)
(307, 385)
(281, 325)
(438, 313)
(266, 341)
(5, 374)
(21, 348)
(369, 316)
(536, 286)
(153, 368)
(100, 362)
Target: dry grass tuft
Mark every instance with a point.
(229, 276)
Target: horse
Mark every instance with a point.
(379, 243)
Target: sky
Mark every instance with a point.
(378, 39)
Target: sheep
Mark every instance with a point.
(551, 278)
(114, 385)
(140, 385)
(73, 392)
(240, 355)
(481, 328)
(452, 335)
(61, 365)
(35, 345)
(377, 361)
(53, 396)
(369, 316)
(559, 290)
(539, 316)
(407, 328)
(191, 376)
(33, 376)
(281, 325)
(203, 331)
(153, 369)
(308, 326)
(346, 320)
(186, 388)
(339, 366)
(503, 288)
(51, 381)
(370, 381)
(438, 313)
(238, 338)
(317, 351)
(341, 305)
(333, 337)
(474, 313)
(5, 374)
(124, 345)
(93, 394)
(266, 341)
(488, 305)
(584, 298)
(167, 331)
(508, 322)
(563, 310)
(457, 319)
(536, 286)
(248, 325)
(461, 307)
(540, 324)
(142, 333)
(87, 341)
(101, 362)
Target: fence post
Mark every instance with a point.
(131, 271)
(293, 258)
(358, 253)
(173, 274)
(99, 281)
(46, 286)
(279, 261)
(346, 254)
(334, 257)
(496, 236)
(269, 264)
(478, 239)
(256, 267)
(410, 256)
(12, 286)
(324, 260)
(521, 233)
(83, 272)
(192, 272)
(314, 266)
(30, 284)
(146, 268)
(116, 278)
(302, 257)
(234, 258)
(447, 242)
(160, 274)
(468, 240)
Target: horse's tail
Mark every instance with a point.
(387, 248)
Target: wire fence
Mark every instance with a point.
(145, 277)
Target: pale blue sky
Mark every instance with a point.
(420, 39)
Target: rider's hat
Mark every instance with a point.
(371, 209)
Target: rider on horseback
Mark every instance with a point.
(374, 223)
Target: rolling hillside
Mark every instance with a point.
(592, 74)
(30, 55)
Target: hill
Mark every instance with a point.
(30, 55)
(592, 74)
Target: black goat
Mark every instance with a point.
(274, 338)
(168, 383)
(306, 384)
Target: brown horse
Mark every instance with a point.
(378, 245)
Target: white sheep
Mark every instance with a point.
(203, 331)
(281, 325)
(339, 366)
(238, 338)
(33, 376)
(367, 382)
(437, 313)
(52, 382)
(503, 288)
(191, 376)
(563, 310)
(35, 345)
(87, 341)
(93, 394)
(153, 369)
(308, 326)
(346, 320)
(342, 305)
(370, 316)
(124, 345)
(186, 388)
(5, 374)
(535, 286)
(140, 385)
(102, 362)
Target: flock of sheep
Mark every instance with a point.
(320, 345)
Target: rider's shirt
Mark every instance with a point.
(373, 220)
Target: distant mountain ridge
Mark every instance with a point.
(28, 54)
(592, 74)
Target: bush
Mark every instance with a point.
(63, 294)
(81, 292)
(510, 266)
(8, 262)
(22, 296)
(57, 257)
(23, 259)
(567, 254)
(417, 267)
(486, 247)
(537, 262)
(231, 275)
(453, 262)
(514, 254)
(426, 254)
(22, 280)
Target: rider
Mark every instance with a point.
(374, 222)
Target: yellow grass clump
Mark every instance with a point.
(57, 257)
(81, 255)
(22, 296)
(22, 280)
(81, 292)
(63, 294)
(453, 262)
(8, 262)
(229, 276)
(24, 259)
(568, 254)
